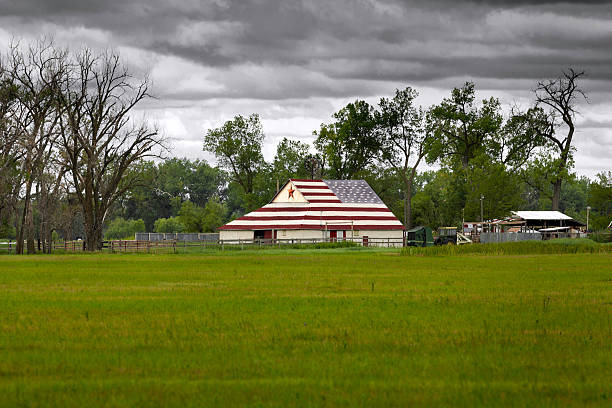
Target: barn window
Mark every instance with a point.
(284, 233)
(356, 233)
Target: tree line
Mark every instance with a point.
(76, 162)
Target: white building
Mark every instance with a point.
(319, 210)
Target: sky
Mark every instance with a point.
(297, 62)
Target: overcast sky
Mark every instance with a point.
(296, 62)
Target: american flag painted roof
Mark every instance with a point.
(319, 205)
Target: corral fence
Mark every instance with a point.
(498, 237)
(7, 247)
(195, 246)
(176, 236)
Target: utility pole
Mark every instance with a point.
(405, 210)
(588, 209)
(481, 209)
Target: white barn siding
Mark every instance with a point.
(236, 234)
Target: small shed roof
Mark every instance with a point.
(541, 215)
(546, 218)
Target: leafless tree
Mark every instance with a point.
(99, 138)
(35, 117)
(560, 97)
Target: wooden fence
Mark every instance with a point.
(185, 246)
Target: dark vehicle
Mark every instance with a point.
(419, 236)
(447, 236)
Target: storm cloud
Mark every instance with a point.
(295, 62)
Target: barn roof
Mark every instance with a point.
(321, 204)
(353, 191)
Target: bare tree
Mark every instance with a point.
(99, 139)
(560, 97)
(35, 117)
(9, 152)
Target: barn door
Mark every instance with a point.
(365, 240)
(333, 236)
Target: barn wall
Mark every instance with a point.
(395, 235)
(283, 195)
(235, 234)
(299, 234)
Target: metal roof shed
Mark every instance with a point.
(545, 219)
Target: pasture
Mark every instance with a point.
(340, 327)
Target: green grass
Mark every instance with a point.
(554, 246)
(329, 327)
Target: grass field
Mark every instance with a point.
(303, 327)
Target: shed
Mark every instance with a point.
(419, 236)
(545, 219)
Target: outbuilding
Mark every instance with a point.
(319, 210)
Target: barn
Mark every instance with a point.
(320, 210)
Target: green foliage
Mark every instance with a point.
(350, 144)
(237, 147)
(191, 216)
(207, 219)
(600, 200)
(166, 185)
(462, 129)
(289, 160)
(7, 230)
(214, 215)
(402, 130)
(500, 188)
(120, 228)
(169, 225)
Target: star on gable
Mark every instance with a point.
(291, 191)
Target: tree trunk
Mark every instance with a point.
(93, 231)
(556, 197)
(24, 218)
(30, 230)
(408, 205)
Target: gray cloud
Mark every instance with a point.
(213, 59)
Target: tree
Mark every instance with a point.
(101, 142)
(349, 145)
(10, 154)
(205, 182)
(122, 229)
(600, 200)
(403, 140)
(34, 73)
(214, 215)
(237, 147)
(463, 130)
(289, 160)
(192, 217)
(169, 225)
(560, 97)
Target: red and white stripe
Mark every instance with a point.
(316, 191)
(324, 210)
